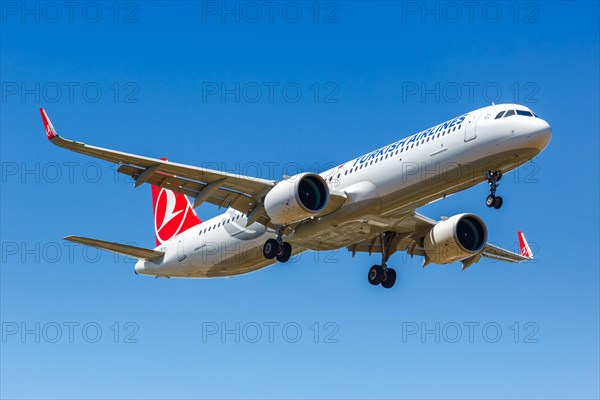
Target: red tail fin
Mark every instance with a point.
(173, 214)
(524, 246)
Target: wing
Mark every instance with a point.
(242, 193)
(408, 234)
(126, 250)
(223, 189)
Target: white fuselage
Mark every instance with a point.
(383, 184)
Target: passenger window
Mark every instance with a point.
(500, 114)
(509, 113)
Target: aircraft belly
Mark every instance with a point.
(355, 222)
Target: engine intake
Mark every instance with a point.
(296, 198)
(455, 239)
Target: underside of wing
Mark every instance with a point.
(210, 192)
(126, 250)
(497, 253)
(409, 235)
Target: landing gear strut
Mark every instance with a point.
(492, 200)
(381, 274)
(277, 248)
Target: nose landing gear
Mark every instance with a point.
(492, 200)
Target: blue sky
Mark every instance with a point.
(268, 92)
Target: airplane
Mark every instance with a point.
(368, 204)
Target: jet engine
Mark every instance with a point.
(455, 239)
(296, 198)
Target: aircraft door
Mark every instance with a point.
(180, 249)
(471, 125)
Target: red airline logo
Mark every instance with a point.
(50, 132)
(172, 214)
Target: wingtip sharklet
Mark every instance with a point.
(50, 131)
(524, 246)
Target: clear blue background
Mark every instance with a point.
(370, 52)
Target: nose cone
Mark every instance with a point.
(538, 133)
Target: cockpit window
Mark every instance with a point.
(509, 113)
(499, 114)
(524, 113)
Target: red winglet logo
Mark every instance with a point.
(524, 246)
(50, 132)
(173, 214)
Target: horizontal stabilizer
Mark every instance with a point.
(126, 250)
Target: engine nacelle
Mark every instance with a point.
(296, 199)
(455, 239)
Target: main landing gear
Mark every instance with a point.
(381, 274)
(492, 200)
(277, 248)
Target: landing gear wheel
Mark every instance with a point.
(390, 278)
(284, 252)
(498, 201)
(489, 201)
(376, 274)
(270, 249)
